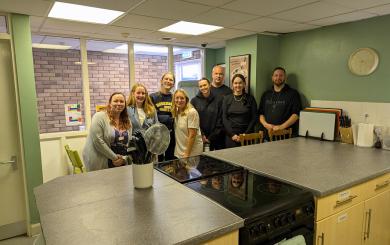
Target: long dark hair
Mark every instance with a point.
(124, 121)
(244, 93)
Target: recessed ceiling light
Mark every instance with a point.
(83, 13)
(190, 28)
(50, 46)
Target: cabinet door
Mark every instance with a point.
(342, 228)
(377, 220)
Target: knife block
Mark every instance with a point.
(346, 135)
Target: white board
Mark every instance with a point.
(316, 123)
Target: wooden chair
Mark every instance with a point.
(280, 134)
(75, 160)
(253, 138)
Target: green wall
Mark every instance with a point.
(220, 56)
(239, 46)
(209, 62)
(21, 37)
(317, 61)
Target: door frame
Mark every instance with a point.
(31, 230)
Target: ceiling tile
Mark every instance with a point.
(198, 40)
(143, 22)
(264, 7)
(51, 23)
(170, 9)
(382, 10)
(28, 7)
(313, 11)
(265, 24)
(215, 3)
(354, 16)
(121, 5)
(294, 27)
(359, 4)
(158, 35)
(229, 34)
(116, 31)
(221, 17)
(36, 23)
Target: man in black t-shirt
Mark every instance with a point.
(280, 106)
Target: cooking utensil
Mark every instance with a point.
(157, 138)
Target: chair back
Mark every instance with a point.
(253, 138)
(280, 134)
(75, 159)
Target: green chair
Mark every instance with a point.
(75, 160)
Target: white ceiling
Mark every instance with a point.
(143, 18)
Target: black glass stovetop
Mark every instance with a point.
(249, 195)
(194, 168)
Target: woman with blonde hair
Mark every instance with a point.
(141, 110)
(109, 135)
(187, 129)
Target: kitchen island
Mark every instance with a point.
(351, 185)
(102, 207)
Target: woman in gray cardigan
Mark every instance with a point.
(141, 110)
(108, 136)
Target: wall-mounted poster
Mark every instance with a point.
(73, 115)
(240, 64)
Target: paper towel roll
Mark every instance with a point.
(365, 135)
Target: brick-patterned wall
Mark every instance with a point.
(58, 81)
(149, 69)
(108, 74)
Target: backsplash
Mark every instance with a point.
(377, 113)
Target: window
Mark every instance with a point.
(3, 24)
(108, 69)
(188, 63)
(58, 83)
(151, 61)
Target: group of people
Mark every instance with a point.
(216, 116)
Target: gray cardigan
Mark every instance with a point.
(134, 118)
(97, 149)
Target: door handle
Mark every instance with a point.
(12, 162)
(367, 232)
(322, 237)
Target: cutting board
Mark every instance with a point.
(317, 123)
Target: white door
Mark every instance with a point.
(12, 195)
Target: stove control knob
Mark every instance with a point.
(290, 218)
(309, 210)
(283, 220)
(263, 228)
(277, 222)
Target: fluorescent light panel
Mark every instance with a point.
(50, 46)
(83, 13)
(190, 28)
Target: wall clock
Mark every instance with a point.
(363, 61)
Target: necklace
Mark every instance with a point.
(238, 100)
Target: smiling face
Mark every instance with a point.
(139, 95)
(204, 87)
(180, 100)
(218, 76)
(167, 83)
(117, 103)
(238, 86)
(278, 78)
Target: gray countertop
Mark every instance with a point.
(102, 207)
(322, 167)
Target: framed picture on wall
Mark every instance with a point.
(240, 64)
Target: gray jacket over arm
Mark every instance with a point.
(97, 148)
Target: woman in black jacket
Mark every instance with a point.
(238, 112)
(210, 114)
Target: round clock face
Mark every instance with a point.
(363, 61)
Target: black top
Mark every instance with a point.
(163, 104)
(210, 114)
(277, 107)
(239, 114)
(221, 91)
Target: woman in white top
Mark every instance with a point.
(108, 136)
(141, 110)
(187, 131)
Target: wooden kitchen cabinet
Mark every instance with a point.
(376, 228)
(341, 228)
(358, 215)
